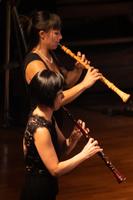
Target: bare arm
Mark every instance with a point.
(71, 94)
(48, 155)
(68, 144)
(72, 77)
(32, 68)
(90, 78)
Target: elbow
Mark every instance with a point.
(56, 172)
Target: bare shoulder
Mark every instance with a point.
(42, 135)
(32, 68)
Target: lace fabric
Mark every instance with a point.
(33, 161)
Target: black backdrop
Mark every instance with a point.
(17, 90)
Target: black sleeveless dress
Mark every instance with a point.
(39, 183)
(29, 58)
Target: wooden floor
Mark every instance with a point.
(92, 179)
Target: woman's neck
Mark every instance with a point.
(44, 54)
(45, 112)
(42, 49)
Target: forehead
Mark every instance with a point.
(55, 30)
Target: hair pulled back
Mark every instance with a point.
(39, 20)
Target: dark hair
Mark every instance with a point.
(40, 20)
(44, 87)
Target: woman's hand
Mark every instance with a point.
(92, 74)
(77, 132)
(91, 77)
(91, 148)
(83, 59)
(76, 135)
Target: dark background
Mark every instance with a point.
(102, 29)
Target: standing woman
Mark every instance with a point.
(43, 37)
(43, 142)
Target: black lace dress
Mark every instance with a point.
(39, 183)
